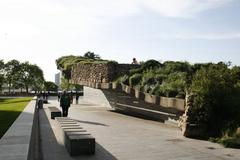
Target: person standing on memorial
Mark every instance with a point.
(65, 102)
(135, 61)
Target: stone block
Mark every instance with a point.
(80, 144)
(71, 127)
(74, 130)
(124, 87)
(55, 112)
(132, 91)
(176, 103)
(151, 98)
(179, 104)
(106, 85)
(116, 86)
(98, 85)
(140, 95)
(67, 123)
(65, 134)
(64, 119)
(128, 89)
(164, 101)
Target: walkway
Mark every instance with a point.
(124, 137)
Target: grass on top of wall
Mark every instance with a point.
(10, 109)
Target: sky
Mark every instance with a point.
(40, 31)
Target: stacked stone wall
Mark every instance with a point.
(99, 72)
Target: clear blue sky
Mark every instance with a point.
(193, 30)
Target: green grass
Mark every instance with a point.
(10, 108)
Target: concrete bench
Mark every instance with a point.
(76, 140)
(80, 144)
(55, 112)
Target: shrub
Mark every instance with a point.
(135, 71)
(174, 84)
(167, 90)
(135, 79)
(148, 78)
(125, 79)
(157, 90)
(216, 101)
(171, 67)
(147, 88)
(229, 140)
(151, 64)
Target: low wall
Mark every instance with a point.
(15, 144)
(167, 102)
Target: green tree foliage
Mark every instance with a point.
(91, 55)
(135, 79)
(168, 79)
(65, 64)
(1, 74)
(124, 79)
(215, 103)
(150, 65)
(216, 88)
(11, 69)
(173, 85)
(50, 86)
(66, 85)
(32, 75)
(171, 66)
(22, 75)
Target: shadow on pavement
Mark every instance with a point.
(129, 105)
(93, 123)
(53, 148)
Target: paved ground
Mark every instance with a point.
(124, 137)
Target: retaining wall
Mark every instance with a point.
(15, 144)
(99, 72)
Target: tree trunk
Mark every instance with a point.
(9, 89)
(26, 88)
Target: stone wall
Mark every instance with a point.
(99, 72)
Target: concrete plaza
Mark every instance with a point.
(124, 137)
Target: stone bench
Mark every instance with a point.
(76, 140)
(55, 112)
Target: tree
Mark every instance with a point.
(30, 76)
(1, 74)
(91, 55)
(50, 86)
(11, 69)
(65, 84)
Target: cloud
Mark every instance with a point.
(201, 36)
(183, 8)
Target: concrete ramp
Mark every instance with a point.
(94, 97)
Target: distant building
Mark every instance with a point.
(58, 79)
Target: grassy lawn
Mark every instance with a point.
(10, 108)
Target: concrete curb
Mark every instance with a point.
(16, 144)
